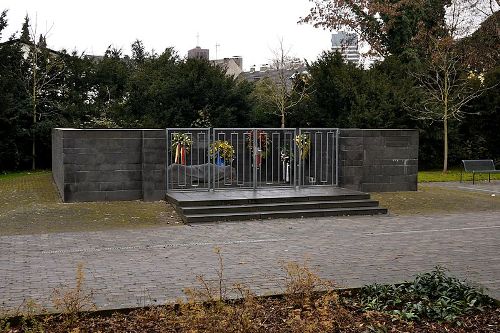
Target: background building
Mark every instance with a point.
(347, 44)
(290, 68)
(198, 53)
(233, 65)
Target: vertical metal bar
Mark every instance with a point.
(265, 134)
(207, 157)
(254, 143)
(337, 157)
(259, 142)
(198, 162)
(178, 169)
(185, 173)
(331, 156)
(244, 157)
(237, 150)
(212, 159)
(328, 159)
(316, 157)
(224, 183)
(167, 161)
(190, 162)
(299, 160)
(293, 169)
(322, 133)
(310, 157)
(280, 167)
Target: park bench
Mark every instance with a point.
(478, 166)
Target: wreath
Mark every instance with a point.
(181, 144)
(303, 142)
(222, 149)
(263, 142)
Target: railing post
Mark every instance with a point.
(208, 133)
(212, 162)
(298, 160)
(337, 164)
(295, 170)
(254, 143)
(166, 159)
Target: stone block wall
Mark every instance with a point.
(121, 164)
(379, 160)
(154, 158)
(57, 161)
(109, 165)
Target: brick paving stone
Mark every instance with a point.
(128, 268)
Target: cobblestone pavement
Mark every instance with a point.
(130, 268)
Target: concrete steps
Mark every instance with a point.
(237, 207)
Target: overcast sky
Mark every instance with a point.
(247, 28)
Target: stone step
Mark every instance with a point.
(295, 213)
(279, 206)
(232, 200)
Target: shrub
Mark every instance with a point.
(433, 295)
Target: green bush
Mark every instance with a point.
(433, 295)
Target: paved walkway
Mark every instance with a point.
(137, 267)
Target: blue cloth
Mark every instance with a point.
(219, 161)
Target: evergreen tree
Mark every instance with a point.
(14, 108)
(3, 21)
(139, 53)
(25, 31)
(42, 42)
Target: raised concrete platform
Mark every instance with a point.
(234, 205)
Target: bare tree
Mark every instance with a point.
(44, 68)
(285, 86)
(447, 87)
(464, 16)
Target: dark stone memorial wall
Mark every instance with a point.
(378, 160)
(109, 165)
(121, 164)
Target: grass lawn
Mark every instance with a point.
(30, 205)
(452, 175)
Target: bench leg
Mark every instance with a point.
(460, 175)
(489, 177)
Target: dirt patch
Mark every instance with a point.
(31, 205)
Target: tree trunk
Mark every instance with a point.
(33, 165)
(282, 119)
(33, 136)
(445, 122)
(445, 131)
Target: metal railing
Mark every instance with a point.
(263, 157)
(246, 158)
(320, 166)
(188, 161)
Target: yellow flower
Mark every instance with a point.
(223, 148)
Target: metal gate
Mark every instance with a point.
(188, 159)
(250, 158)
(261, 157)
(320, 165)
